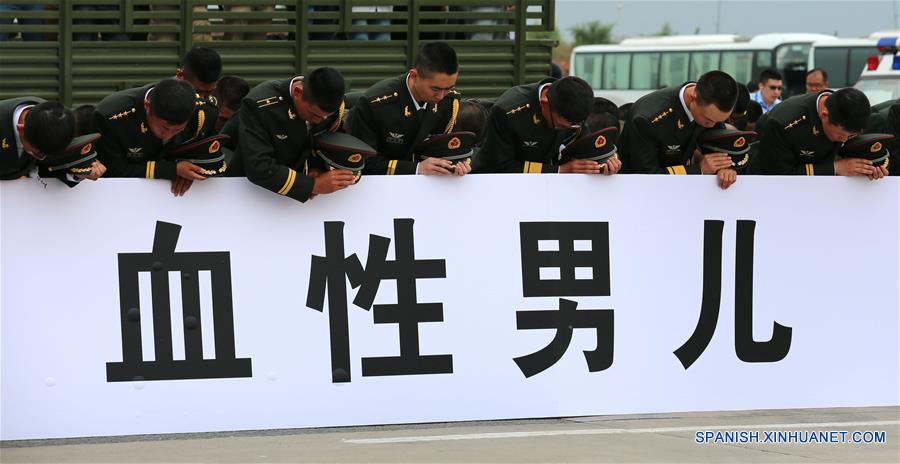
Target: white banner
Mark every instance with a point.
(495, 297)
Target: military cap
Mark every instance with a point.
(207, 153)
(872, 147)
(343, 151)
(597, 146)
(734, 143)
(452, 146)
(77, 158)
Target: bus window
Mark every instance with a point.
(615, 76)
(763, 61)
(792, 54)
(738, 64)
(590, 67)
(673, 69)
(645, 71)
(857, 63)
(834, 61)
(702, 62)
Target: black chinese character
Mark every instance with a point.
(566, 259)
(746, 348)
(162, 260)
(334, 269)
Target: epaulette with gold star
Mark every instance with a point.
(385, 97)
(516, 110)
(269, 101)
(795, 122)
(123, 114)
(659, 117)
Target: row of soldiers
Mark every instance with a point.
(305, 136)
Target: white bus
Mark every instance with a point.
(624, 73)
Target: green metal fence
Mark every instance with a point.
(86, 49)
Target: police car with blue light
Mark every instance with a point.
(880, 80)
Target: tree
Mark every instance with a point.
(666, 30)
(593, 32)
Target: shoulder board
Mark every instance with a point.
(516, 110)
(385, 97)
(269, 101)
(123, 114)
(795, 122)
(659, 117)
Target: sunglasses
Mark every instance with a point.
(775, 87)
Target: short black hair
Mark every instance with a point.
(769, 75)
(50, 127)
(848, 108)
(472, 117)
(436, 57)
(172, 100)
(598, 121)
(203, 64)
(742, 103)
(754, 111)
(604, 105)
(719, 89)
(571, 97)
(820, 70)
(324, 87)
(231, 91)
(624, 109)
(84, 120)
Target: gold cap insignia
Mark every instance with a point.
(86, 149)
(214, 147)
(454, 143)
(740, 142)
(875, 147)
(600, 142)
(354, 158)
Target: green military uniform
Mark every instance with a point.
(128, 147)
(659, 136)
(386, 119)
(12, 165)
(885, 119)
(518, 140)
(274, 144)
(792, 140)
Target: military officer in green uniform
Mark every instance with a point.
(34, 131)
(661, 128)
(530, 123)
(396, 114)
(885, 119)
(141, 125)
(802, 135)
(275, 130)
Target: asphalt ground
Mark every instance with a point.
(669, 437)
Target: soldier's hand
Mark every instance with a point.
(853, 167)
(612, 165)
(435, 167)
(713, 162)
(463, 168)
(726, 177)
(880, 172)
(580, 167)
(181, 185)
(332, 181)
(189, 170)
(97, 171)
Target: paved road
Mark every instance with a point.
(637, 438)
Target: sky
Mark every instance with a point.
(747, 18)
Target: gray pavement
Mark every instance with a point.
(633, 438)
